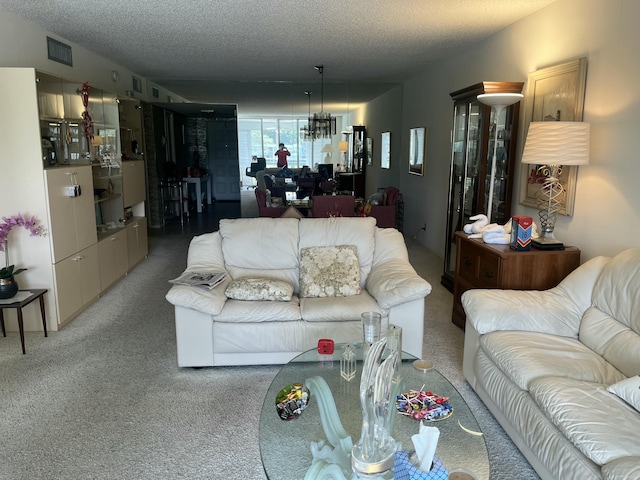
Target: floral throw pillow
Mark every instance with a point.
(250, 288)
(329, 271)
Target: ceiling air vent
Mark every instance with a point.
(59, 52)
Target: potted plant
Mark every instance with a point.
(8, 284)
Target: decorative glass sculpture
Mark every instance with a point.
(374, 453)
(348, 363)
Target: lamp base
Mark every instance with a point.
(542, 243)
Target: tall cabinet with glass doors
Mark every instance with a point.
(471, 156)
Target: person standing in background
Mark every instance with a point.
(282, 153)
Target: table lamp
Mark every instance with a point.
(498, 101)
(552, 145)
(328, 151)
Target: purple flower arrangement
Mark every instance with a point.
(6, 226)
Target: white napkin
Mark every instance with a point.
(425, 443)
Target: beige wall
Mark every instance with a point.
(606, 216)
(25, 45)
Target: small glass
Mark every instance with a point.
(371, 326)
(348, 363)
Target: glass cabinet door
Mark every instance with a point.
(500, 208)
(472, 150)
(465, 170)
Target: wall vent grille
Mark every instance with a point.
(59, 52)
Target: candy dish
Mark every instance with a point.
(424, 405)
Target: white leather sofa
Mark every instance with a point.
(542, 362)
(213, 330)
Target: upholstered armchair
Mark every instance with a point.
(323, 206)
(263, 210)
(385, 214)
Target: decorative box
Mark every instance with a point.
(521, 230)
(403, 469)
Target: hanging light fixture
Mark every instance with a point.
(320, 125)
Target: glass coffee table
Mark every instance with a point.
(285, 445)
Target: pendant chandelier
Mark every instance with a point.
(320, 125)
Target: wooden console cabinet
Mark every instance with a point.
(480, 265)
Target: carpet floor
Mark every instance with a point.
(104, 398)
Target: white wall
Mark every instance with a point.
(22, 44)
(606, 217)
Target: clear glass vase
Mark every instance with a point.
(373, 455)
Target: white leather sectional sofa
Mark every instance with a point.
(544, 364)
(212, 329)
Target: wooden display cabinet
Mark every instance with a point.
(481, 265)
(472, 147)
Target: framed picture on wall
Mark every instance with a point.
(385, 150)
(369, 151)
(554, 94)
(417, 144)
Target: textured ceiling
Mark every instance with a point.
(214, 50)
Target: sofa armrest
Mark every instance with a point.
(556, 311)
(548, 311)
(395, 282)
(199, 298)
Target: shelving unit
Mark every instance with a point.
(133, 180)
(53, 178)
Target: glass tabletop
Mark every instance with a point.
(285, 445)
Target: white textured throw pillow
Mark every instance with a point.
(332, 271)
(251, 288)
(628, 390)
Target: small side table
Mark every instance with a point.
(35, 293)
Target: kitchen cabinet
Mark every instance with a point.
(113, 258)
(77, 282)
(472, 147)
(133, 183)
(72, 225)
(137, 240)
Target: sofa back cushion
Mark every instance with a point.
(358, 231)
(611, 326)
(261, 247)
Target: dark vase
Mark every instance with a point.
(8, 287)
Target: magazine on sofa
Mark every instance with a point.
(200, 279)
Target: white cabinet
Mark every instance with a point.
(137, 240)
(133, 184)
(113, 258)
(77, 282)
(72, 225)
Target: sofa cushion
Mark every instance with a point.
(628, 390)
(603, 427)
(259, 288)
(358, 231)
(612, 339)
(331, 271)
(612, 326)
(395, 282)
(525, 356)
(241, 311)
(339, 308)
(622, 469)
(261, 247)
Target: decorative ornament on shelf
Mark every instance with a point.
(8, 284)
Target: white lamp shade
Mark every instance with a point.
(326, 148)
(499, 100)
(557, 143)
